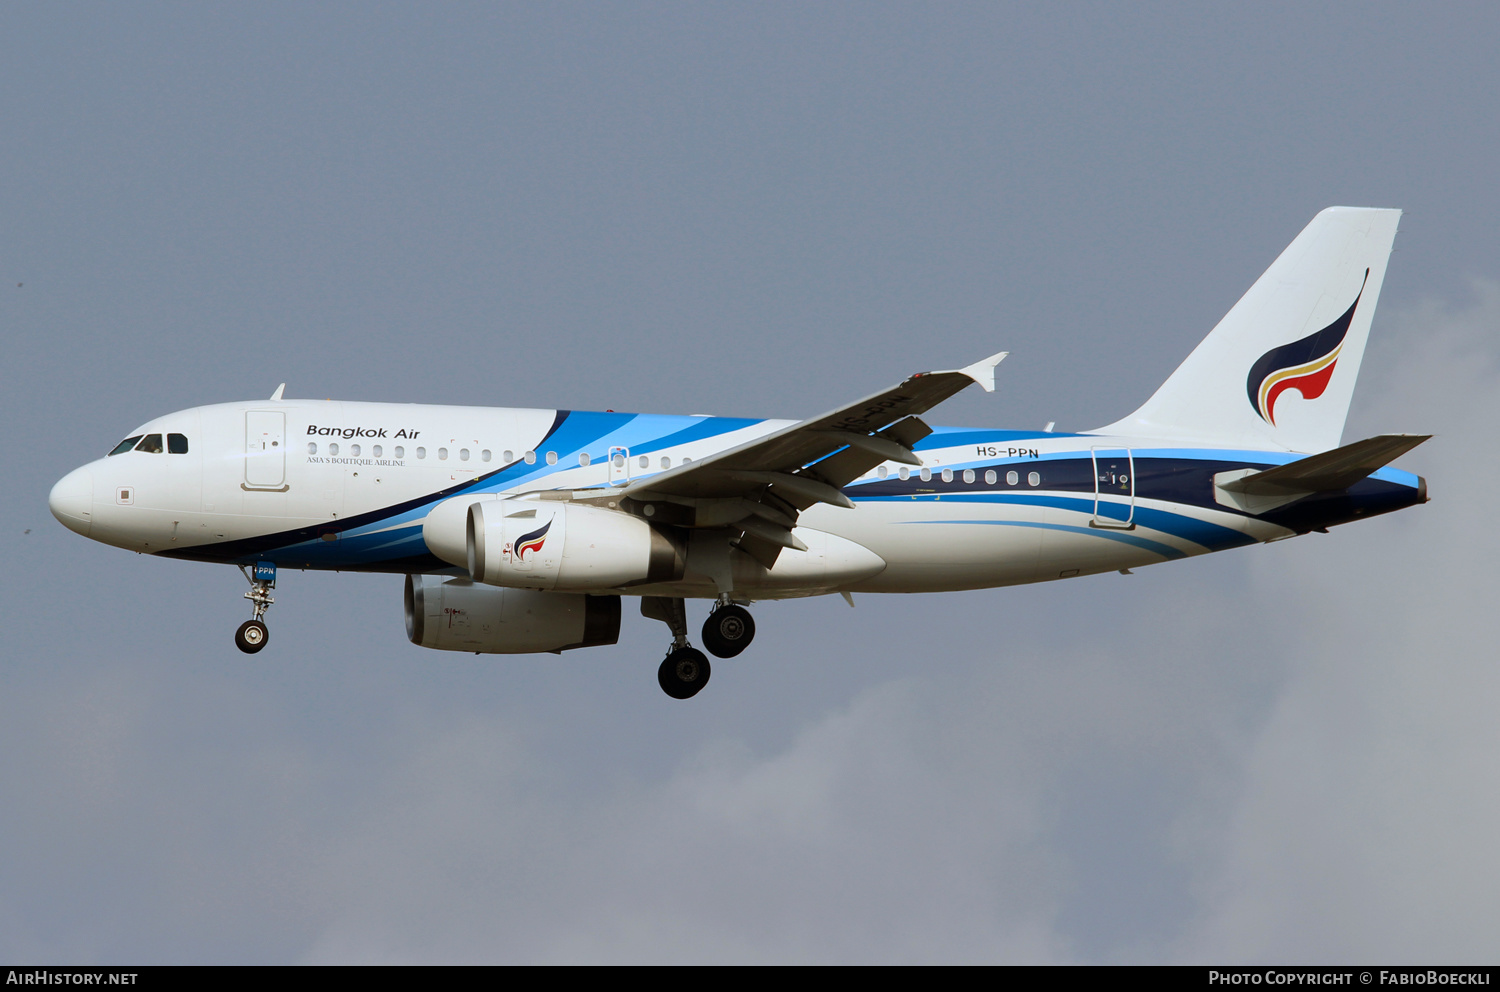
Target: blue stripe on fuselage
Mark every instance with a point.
(1212, 536)
(1145, 544)
(1171, 475)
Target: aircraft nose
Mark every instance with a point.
(72, 501)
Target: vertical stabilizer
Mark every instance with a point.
(1278, 371)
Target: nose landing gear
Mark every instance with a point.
(253, 635)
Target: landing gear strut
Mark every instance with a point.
(685, 669)
(253, 635)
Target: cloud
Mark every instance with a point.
(1281, 754)
(1368, 804)
(1292, 761)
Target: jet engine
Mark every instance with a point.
(550, 545)
(458, 615)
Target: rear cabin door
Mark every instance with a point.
(1114, 488)
(265, 449)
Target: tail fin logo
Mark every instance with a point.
(532, 541)
(1304, 365)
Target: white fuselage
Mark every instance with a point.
(345, 485)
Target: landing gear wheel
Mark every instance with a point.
(728, 630)
(252, 636)
(683, 673)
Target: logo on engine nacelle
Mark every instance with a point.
(532, 541)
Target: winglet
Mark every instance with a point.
(983, 372)
(279, 390)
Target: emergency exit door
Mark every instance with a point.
(619, 466)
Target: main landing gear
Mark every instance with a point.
(685, 670)
(728, 630)
(253, 635)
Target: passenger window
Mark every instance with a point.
(125, 445)
(463, 454)
(926, 474)
(508, 456)
(551, 458)
(645, 461)
(151, 444)
(947, 475)
(312, 447)
(421, 452)
(882, 472)
(354, 451)
(990, 477)
(531, 458)
(400, 451)
(484, 455)
(177, 444)
(1012, 478)
(968, 475)
(333, 449)
(583, 459)
(442, 454)
(666, 462)
(1035, 478)
(904, 472)
(375, 451)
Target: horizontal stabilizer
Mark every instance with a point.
(1326, 472)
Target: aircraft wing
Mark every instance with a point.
(768, 480)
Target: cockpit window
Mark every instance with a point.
(125, 445)
(151, 444)
(177, 444)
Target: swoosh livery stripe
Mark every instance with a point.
(1201, 532)
(1155, 547)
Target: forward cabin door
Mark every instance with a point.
(265, 449)
(1114, 488)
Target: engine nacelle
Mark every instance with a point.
(458, 615)
(549, 544)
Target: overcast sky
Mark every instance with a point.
(1277, 754)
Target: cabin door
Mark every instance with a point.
(265, 449)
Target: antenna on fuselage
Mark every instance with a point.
(279, 390)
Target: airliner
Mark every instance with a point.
(521, 530)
